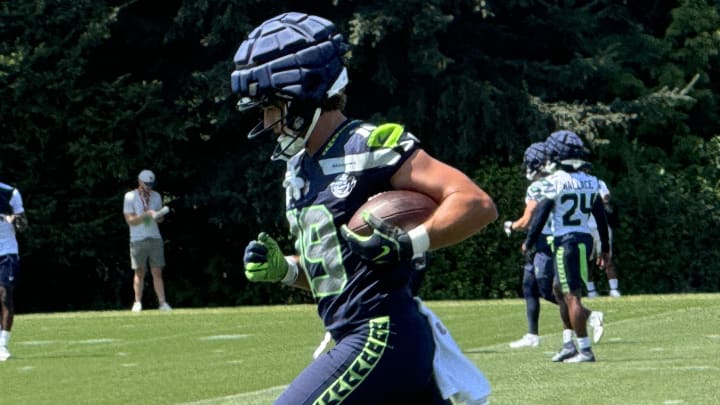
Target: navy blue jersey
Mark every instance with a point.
(323, 193)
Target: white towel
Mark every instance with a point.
(456, 376)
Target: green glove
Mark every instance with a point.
(264, 261)
(388, 244)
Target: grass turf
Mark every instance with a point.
(656, 350)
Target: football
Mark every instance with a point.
(402, 208)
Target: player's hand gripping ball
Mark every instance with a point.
(377, 232)
(387, 244)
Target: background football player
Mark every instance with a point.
(572, 196)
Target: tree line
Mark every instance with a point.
(94, 91)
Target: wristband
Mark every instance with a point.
(292, 273)
(420, 239)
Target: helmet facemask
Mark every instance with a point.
(297, 120)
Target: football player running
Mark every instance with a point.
(570, 199)
(292, 67)
(539, 272)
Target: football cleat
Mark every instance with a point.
(137, 307)
(596, 321)
(567, 351)
(529, 340)
(615, 293)
(585, 355)
(164, 307)
(592, 294)
(4, 353)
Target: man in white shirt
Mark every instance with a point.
(143, 211)
(12, 219)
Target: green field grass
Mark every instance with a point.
(656, 350)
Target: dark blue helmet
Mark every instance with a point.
(293, 56)
(566, 148)
(534, 159)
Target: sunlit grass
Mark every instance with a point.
(656, 350)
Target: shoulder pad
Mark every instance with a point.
(385, 136)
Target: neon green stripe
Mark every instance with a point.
(385, 136)
(361, 367)
(561, 270)
(583, 262)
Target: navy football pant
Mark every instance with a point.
(537, 282)
(386, 361)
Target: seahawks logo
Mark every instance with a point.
(343, 185)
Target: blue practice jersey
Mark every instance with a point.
(323, 193)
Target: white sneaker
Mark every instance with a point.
(4, 353)
(164, 307)
(529, 340)
(615, 293)
(592, 294)
(596, 322)
(137, 307)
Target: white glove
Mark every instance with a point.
(508, 228)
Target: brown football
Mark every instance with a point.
(402, 208)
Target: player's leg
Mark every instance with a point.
(7, 321)
(9, 265)
(590, 283)
(611, 271)
(545, 269)
(568, 348)
(381, 359)
(532, 309)
(157, 263)
(575, 261)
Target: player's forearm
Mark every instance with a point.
(523, 222)
(459, 216)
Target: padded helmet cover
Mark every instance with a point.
(292, 56)
(565, 145)
(534, 157)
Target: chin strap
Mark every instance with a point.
(290, 143)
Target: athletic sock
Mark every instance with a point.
(4, 338)
(590, 286)
(613, 283)
(584, 343)
(567, 336)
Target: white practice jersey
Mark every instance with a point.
(8, 242)
(574, 195)
(536, 192)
